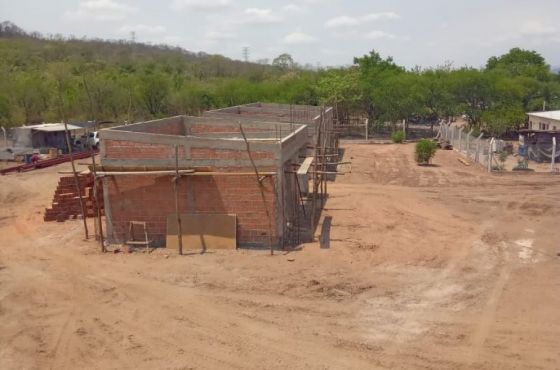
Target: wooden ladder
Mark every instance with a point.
(131, 240)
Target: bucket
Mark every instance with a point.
(53, 152)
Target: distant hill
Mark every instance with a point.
(120, 80)
(58, 47)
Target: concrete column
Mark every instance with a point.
(108, 214)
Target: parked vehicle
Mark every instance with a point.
(90, 140)
(93, 140)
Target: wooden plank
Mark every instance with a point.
(137, 242)
(304, 168)
(203, 231)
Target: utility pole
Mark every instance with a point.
(245, 53)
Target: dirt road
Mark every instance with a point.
(428, 268)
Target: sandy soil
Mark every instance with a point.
(443, 267)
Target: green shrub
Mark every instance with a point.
(502, 157)
(397, 137)
(425, 151)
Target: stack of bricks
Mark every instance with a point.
(66, 200)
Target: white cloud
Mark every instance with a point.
(258, 15)
(382, 35)
(345, 21)
(380, 16)
(342, 21)
(201, 5)
(143, 30)
(101, 10)
(536, 28)
(298, 38)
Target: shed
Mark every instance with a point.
(45, 135)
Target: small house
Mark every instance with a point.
(544, 121)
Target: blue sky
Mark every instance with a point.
(425, 33)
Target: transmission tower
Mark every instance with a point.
(245, 53)
(133, 37)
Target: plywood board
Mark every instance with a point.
(304, 168)
(203, 231)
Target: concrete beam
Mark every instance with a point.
(294, 144)
(142, 126)
(185, 163)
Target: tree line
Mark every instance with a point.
(47, 79)
(493, 99)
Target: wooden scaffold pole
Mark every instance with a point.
(96, 199)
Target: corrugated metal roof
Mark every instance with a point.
(555, 114)
(52, 127)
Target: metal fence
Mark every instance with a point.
(485, 151)
(474, 148)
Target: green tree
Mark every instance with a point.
(31, 92)
(373, 71)
(153, 92)
(284, 62)
(519, 62)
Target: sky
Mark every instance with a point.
(317, 32)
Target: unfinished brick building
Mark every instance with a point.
(218, 177)
(319, 120)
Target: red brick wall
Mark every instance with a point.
(122, 149)
(151, 199)
(167, 128)
(210, 153)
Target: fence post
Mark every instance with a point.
(460, 139)
(490, 147)
(553, 161)
(477, 155)
(452, 136)
(469, 143)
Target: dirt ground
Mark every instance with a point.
(442, 267)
